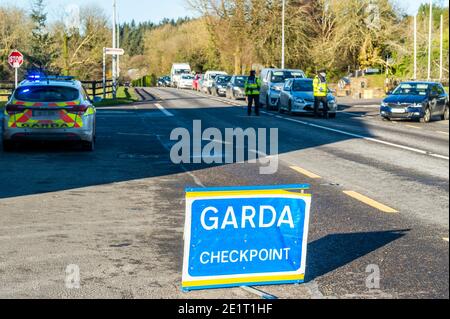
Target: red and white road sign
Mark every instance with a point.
(15, 59)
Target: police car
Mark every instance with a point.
(49, 108)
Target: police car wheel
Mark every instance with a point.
(8, 146)
(88, 146)
(332, 115)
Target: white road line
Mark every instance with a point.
(442, 132)
(162, 109)
(407, 148)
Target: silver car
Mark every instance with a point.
(49, 109)
(272, 82)
(297, 96)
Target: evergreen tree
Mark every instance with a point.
(42, 50)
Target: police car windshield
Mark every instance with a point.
(282, 76)
(46, 94)
(302, 86)
(411, 89)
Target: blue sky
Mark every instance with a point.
(156, 10)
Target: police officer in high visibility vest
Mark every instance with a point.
(320, 93)
(252, 88)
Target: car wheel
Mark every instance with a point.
(427, 116)
(8, 146)
(331, 115)
(280, 109)
(290, 108)
(384, 118)
(268, 107)
(446, 115)
(88, 146)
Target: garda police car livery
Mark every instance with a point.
(49, 108)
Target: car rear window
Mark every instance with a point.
(46, 94)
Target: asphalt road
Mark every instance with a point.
(118, 213)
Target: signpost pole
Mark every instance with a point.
(16, 77)
(114, 64)
(104, 73)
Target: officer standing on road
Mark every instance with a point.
(252, 88)
(320, 93)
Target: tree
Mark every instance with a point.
(42, 51)
(15, 30)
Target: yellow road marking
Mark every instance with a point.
(412, 126)
(305, 172)
(368, 201)
(445, 239)
(442, 132)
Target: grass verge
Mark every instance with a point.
(124, 96)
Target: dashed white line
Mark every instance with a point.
(162, 109)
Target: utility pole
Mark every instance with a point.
(429, 39)
(415, 47)
(118, 45)
(283, 36)
(441, 61)
(114, 57)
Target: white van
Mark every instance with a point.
(209, 79)
(178, 69)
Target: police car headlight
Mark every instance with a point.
(299, 100)
(384, 104)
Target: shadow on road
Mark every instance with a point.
(334, 251)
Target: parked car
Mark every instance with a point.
(235, 88)
(297, 96)
(166, 81)
(416, 100)
(196, 83)
(186, 81)
(272, 82)
(219, 87)
(208, 80)
(160, 82)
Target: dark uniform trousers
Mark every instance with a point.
(250, 100)
(324, 101)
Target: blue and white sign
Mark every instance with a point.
(245, 236)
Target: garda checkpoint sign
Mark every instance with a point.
(245, 236)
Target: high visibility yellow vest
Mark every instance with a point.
(252, 87)
(320, 88)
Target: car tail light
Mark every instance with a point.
(78, 109)
(14, 108)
